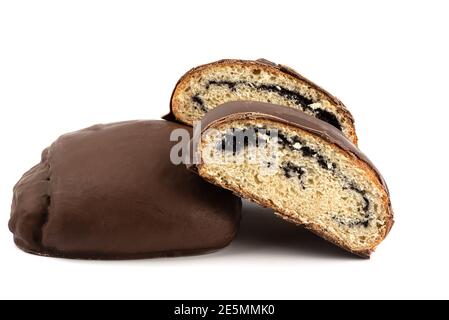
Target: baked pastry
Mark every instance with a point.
(205, 87)
(111, 192)
(301, 167)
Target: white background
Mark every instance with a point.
(65, 65)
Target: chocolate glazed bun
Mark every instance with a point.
(111, 192)
(301, 167)
(205, 87)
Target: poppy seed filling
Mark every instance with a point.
(302, 102)
(236, 140)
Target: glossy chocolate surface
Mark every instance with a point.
(111, 192)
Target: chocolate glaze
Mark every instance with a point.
(254, 110)
(111, 192)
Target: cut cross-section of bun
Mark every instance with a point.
(205, 87)
(301, 167)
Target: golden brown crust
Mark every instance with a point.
(373, 176)
(268, 66)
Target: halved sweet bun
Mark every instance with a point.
(304, 169)
(204, 88)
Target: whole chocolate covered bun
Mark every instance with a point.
(111, 192)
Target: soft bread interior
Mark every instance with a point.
(306, 180)
(209, 86)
